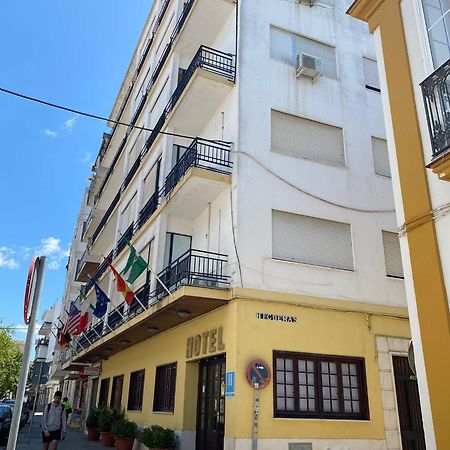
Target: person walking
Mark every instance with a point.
(67, 407)
(54, 423)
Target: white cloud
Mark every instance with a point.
(6, 259)
(51, 247)
(86, 158)
(70, 123)
(50, 133)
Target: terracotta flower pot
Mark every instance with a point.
(107, 439)
(124, 443)
(93, 434)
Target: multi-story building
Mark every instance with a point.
(413, 48)
(254, 181)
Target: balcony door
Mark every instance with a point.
(176, 246)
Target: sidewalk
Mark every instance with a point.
(75, 439)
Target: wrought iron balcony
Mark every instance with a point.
(436, 95)
(193, 268)
(210, 155)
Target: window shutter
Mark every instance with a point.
(381, 157)
(371, 73)
(311, 240)
(303, 138)
(281, 46)
(392, 254)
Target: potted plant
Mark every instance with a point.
(124, 432)
(92, 425)
(105, 419)
(158, 438)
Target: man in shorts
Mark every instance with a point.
(54, 422)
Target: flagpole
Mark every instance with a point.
(162, 284)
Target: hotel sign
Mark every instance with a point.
(205, 343)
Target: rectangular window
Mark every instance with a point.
(437, 18)
(136, 391)
(392, 254)
(319, 386)
(302, 138)
(135, 151)
(176, 246)
(165, 381)
(159, 103)
(311, 240)
(371, 75)
(151, 181)
(104, 392)
(116, 393)
(285, 46)
(128, 214)
(380, 157)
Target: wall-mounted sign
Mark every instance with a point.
(205, 343)
(90, 371)
(276, 317)
(229, 384)
(258, 374)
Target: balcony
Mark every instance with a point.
(46, 329)
(200, 175)
(205, 84)
(205, 20)
(91, 223)
(156, 311)
(436, 95)
(87, 265)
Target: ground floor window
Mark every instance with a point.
(136, 391)
(104, 391)
(319, 386)
(116, 393)
(164, 398)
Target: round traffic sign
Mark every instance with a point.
(29, 290)
(258, 374)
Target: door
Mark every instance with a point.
(211, 404)
(408, 403)
(116, 393)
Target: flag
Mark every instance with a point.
(73, 320)
(86, 309)
(122, 286)
(136, 264)
(63, 339)
(102, 302)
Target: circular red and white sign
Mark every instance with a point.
(258, 374)
(29, 290)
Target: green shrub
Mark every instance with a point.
(105, 420)
(157, 437)
(92, 418)
(124, 428)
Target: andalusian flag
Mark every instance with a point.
(122, 286)
(135, 265)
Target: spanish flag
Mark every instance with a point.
(122, 286)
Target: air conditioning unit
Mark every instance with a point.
(308, 66)
(212, 283)
(309, 3)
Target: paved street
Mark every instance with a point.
(75, 440)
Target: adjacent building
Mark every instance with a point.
(413, 48)
(254, 181)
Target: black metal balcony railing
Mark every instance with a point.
(194, 268)
(148, 209)
(436, 95)
(211, 155)
(127, 235)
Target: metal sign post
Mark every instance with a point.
(255, 416)
(33, 293)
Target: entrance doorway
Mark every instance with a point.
(211, 404)
(408, 403)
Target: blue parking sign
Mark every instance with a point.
(229, 384)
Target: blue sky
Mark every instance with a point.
(71, 53)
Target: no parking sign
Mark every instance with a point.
(258, 374)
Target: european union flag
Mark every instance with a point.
(102, 302)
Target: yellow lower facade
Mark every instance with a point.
(244, 330)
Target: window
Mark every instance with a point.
(285, 46)
(128, 215)
(116, 393)
(164, 398)
(136, 391)
(371, 75)
(392, 254)
(437, 20)
(176, 246)
(380, 157)
(311, 240)
(135, 150)
(151, 181)
(302, 138)
(159, 103)
(320, 386)
(104, 391)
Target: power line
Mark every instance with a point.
(92, 116)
